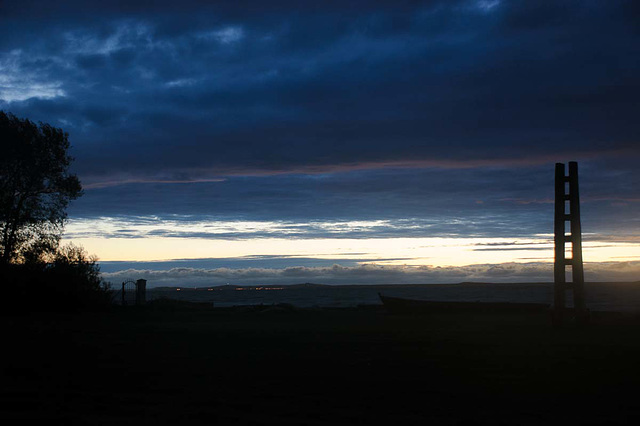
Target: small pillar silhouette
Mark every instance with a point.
(567, 209)
(141, 292)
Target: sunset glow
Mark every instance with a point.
(336, 143)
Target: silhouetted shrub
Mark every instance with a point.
(70, 281)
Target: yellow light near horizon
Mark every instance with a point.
(384, 251)
(414, 251)
(101, 237)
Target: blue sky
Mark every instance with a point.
(238, 135)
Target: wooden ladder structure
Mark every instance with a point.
(567, 210)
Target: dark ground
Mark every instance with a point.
(188, 365)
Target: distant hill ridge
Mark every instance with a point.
(315, 285)
(243, 287)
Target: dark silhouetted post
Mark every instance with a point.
(141, 292)
(124, 300)
(572, 215)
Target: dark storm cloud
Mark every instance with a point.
(274, 88)
(336, 110)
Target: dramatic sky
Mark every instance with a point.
(336, 142)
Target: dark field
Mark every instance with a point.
(178, 364)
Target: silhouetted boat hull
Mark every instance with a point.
(401, 305)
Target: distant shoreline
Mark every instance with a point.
(601, 296)
(315, 285)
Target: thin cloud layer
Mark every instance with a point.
(372, 274)
(484, 202)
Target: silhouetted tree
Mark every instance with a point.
(73, 276)
(35, 188)
(72, 260)
(69, 280)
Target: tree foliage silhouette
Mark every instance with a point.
(73, 279)
(35, 188)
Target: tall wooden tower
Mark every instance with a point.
(568, 240)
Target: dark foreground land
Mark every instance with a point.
(177, 364)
